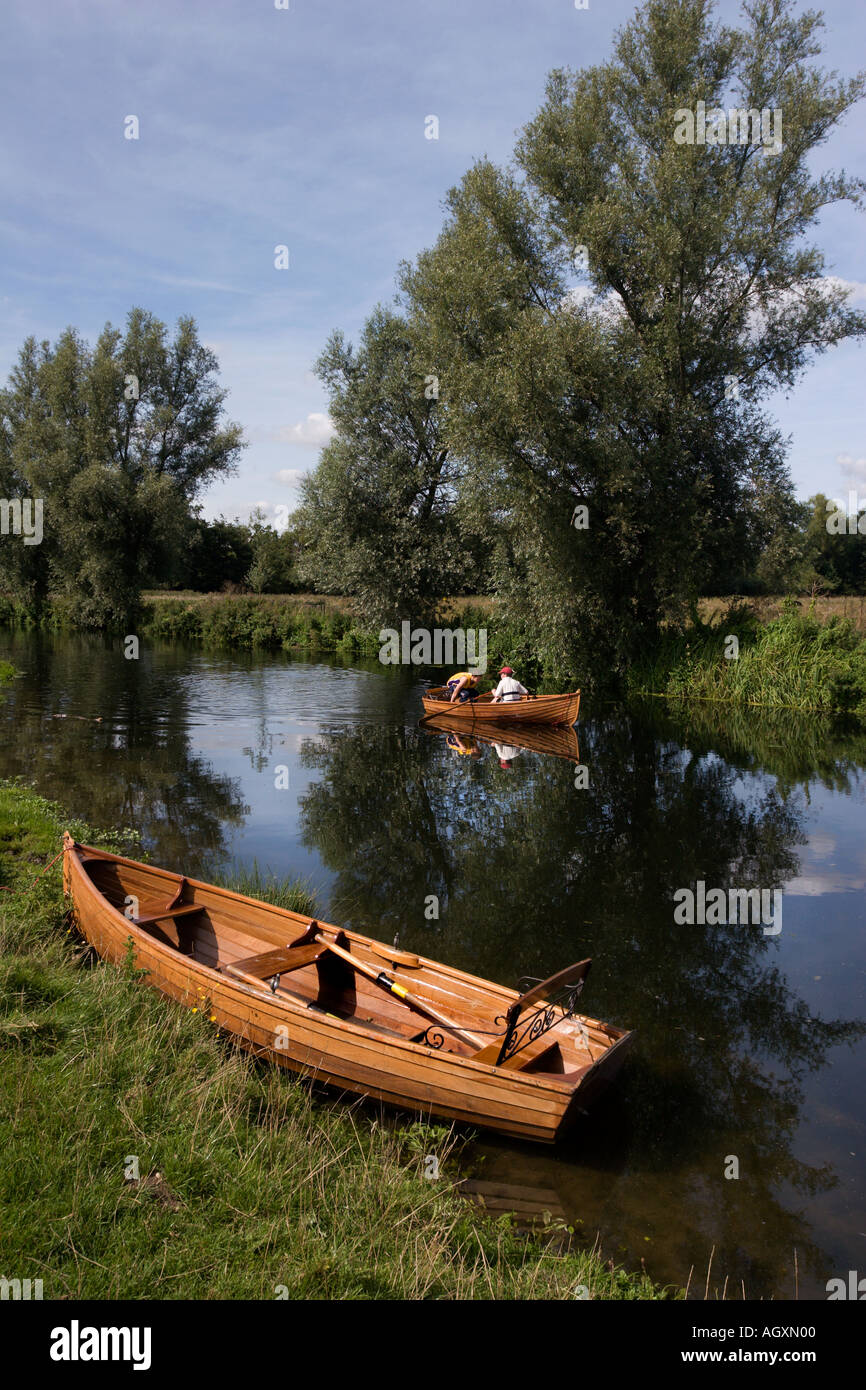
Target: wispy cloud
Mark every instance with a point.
(290, 477)
(312, 433)
(853, 470)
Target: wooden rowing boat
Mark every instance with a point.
(354, 1013)
(550, 739)
(530, 709)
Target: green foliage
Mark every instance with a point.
(247, 622)
(116, 440)
(633, 389)
(377, 518)
(836, 557)
(289, 893)
(273, 555)
(792, 662)
(219, 554)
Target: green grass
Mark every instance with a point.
(7, 672)
(289, 893)
(271, 621)
(790, 662)
(249, 1181)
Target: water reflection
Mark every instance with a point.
(508, 741)
(110, 740)
(531, 873)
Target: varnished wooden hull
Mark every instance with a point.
(553, 740)
(532, 709)
(187, 960)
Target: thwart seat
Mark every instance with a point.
(153, 912)
(270, 965)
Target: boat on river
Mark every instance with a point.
(529, 709)
(550, 739)
(352, 1012)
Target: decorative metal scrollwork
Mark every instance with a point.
(431, 1037)
(562, 1005)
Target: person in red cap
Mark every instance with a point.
(508, 688)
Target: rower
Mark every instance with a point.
(462, 686)
(508, 688)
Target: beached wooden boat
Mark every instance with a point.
(531, 709)
(354, 1013)
(551, 739)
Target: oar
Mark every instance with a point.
(391, 987)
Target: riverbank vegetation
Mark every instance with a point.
(567, 395)
(790, 662)
(146, 1156)
(787, 653)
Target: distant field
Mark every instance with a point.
(325, 603)
(850, 606)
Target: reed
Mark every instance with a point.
(791, 662)
(272, 622)
(290, 893)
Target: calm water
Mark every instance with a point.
(749, 1045)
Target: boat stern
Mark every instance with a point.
(595, 1081)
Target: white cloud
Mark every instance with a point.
(814, 885)
(853, 470)
(857, 287)
(289, 477)
(313, 432)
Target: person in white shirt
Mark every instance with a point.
(508, 688)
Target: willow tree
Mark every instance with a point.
(609, 315)
(378, 517)
(117, 440)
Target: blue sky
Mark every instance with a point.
(305, 127)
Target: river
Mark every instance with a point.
(736, 1135)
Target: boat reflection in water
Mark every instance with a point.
(509, 741)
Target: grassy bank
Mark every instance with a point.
(248, 1182)
(790, 662)
(271, 621)
(7, 672)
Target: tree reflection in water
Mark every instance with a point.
(531, 873)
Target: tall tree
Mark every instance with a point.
(378, 517)
(634, 387)
(117, 440)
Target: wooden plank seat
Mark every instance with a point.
(270, 965)
(155, 912)
(527, 1059)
